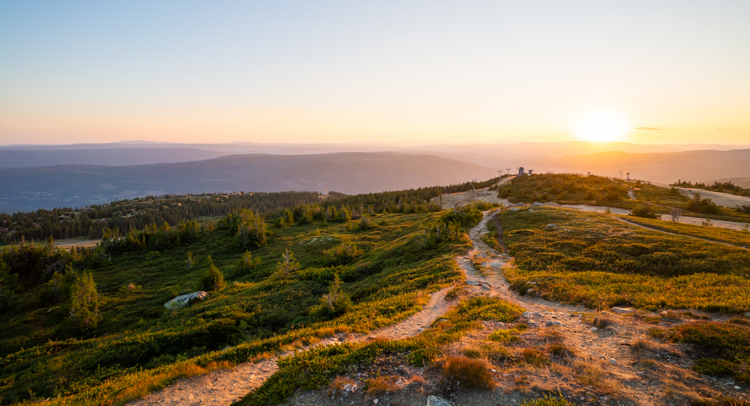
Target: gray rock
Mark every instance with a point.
(623, 310)
(594, 329)
(513, 209)
(747, 314)
(183, 300)
(472, 283)
(551, 227)
(537, 204)
(553, 323)
(433, 400)
(612, 360)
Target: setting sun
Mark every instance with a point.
(601, 126)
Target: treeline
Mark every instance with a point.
(125, 216)
(407, 201)
(723, 187)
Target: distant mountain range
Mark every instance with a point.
(537, 155)
(29, 158)
(33, 176)
(23, 189)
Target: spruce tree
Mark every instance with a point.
(84, 302)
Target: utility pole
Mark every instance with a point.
(500, 172)
(620, 174)
(508, 169)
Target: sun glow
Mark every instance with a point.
(602, 126)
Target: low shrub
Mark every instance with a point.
(381, 385)
(644, 210)
(548, 400)
(534, 356)
(468, 372)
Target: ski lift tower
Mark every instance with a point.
(508, 169)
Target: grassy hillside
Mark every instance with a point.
(386, 262)
(598, 261)
(600, 191)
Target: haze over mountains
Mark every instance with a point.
(34, 176)
(78, 185)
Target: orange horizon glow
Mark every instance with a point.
(383, 73)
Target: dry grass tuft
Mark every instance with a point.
(381, 385)
(534, 356)
(312, 340)
(551, 335)
(416, 379)
(589, 374)
(650, 364)
(339, 383)
(470, 373)
(326, 332)
(473, 352)
(260, 357)
(644, 345)
(214, 365)
(602, 322)
(560, 350)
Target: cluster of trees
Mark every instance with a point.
(62, 273)
(126, 216)
(93, 221)
(724, 187)
(702, 205)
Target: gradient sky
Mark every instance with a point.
(375, 71)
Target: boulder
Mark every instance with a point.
(553, 323)
(622, 310)
(433, 400)
(551, 227)
(183, 300)
(537, 204)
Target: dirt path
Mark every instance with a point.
(223, 387)
(696, 221)
(680, 235)
(721, 199)
(450, 200)
(607, 349)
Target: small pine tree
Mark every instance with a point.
(289, 218)
(190, 261)
(212, 279)
(247, 263)
(8, 287)
(84, 302)
(286, 266)
(335, 302)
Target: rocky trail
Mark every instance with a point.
(679, 235)
(607, 349)
(225, 386)
(616, 350)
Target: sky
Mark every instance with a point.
(424, 72)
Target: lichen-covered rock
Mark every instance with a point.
(183, 300)
(437, 401)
